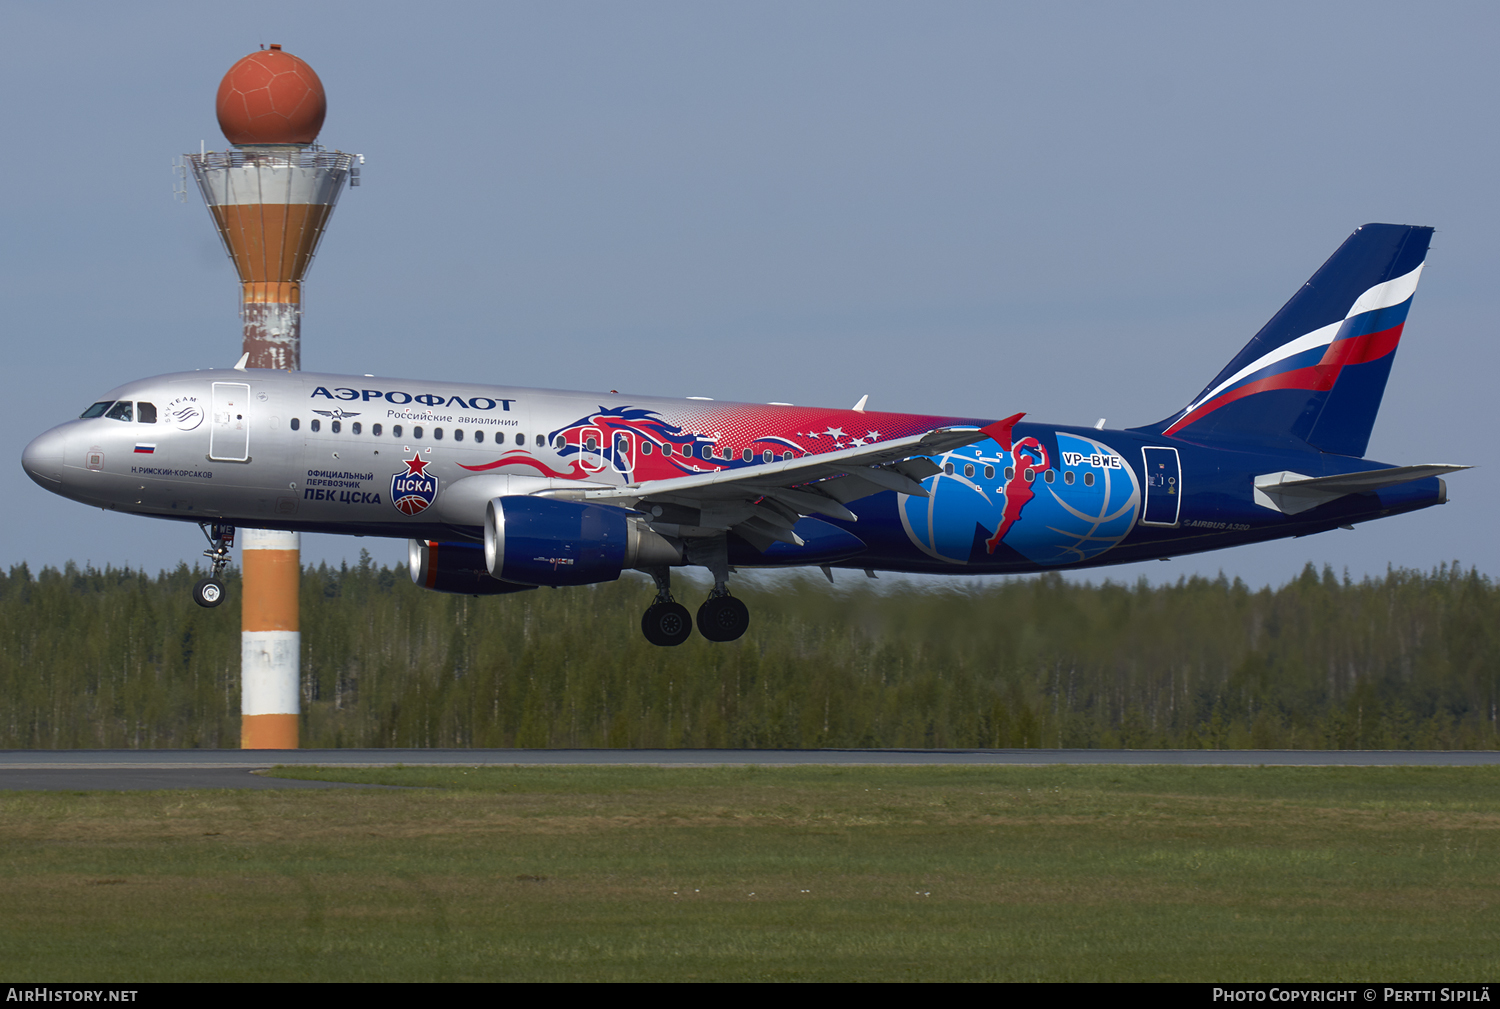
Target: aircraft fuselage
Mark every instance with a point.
(333, 454)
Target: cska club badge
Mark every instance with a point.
(413, 490)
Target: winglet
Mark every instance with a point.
(1000, 430)
(244, 360)
(860, 406)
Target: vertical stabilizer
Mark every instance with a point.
(1316, 372)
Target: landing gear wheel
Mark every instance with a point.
(723, 618)
(208, 593)
(667, 624)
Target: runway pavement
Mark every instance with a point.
(114, 770)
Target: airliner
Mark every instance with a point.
(503, 489)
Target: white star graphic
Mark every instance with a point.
(835, 432)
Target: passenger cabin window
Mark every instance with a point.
(458, 435)
(357, 427)
(317, 425)
(437, 434)
(145, 413)
(416, 433)
(499, 437)
(375, 430)
(395, 430)
(478, 437)
(296, 424)
(337, 427)
(121, 411)
(97, 410)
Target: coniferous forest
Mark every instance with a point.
(117, 658)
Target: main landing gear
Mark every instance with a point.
(666, 622)
(722, 617)
(209, 592)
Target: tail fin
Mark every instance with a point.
(1317, 370)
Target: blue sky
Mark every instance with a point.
(1076, 210)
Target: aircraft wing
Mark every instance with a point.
(761, 503)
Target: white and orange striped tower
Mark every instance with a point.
(271, 195)
(270, 640)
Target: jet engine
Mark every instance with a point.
(454, 567)
(551, 541)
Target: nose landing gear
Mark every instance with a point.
(209, 592)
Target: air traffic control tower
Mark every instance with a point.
(271, 195)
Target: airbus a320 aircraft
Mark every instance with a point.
(501, 489)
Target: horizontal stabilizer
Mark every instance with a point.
(1291, 493)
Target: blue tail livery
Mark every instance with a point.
(501, 489)
(1316, 372)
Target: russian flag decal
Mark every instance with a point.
(144, 449)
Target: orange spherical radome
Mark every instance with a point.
(271, 97)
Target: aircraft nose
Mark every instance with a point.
(43, 459)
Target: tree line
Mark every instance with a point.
(118, 658)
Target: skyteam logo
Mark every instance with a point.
(184, 412)
(413, 491)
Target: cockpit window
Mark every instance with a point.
(121, 411)
(97, 410)
(145, 413)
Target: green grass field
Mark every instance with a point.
(1065, 873)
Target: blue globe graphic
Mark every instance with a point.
(1063, 523)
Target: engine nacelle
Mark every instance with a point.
(454, 567)
(549, 541)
